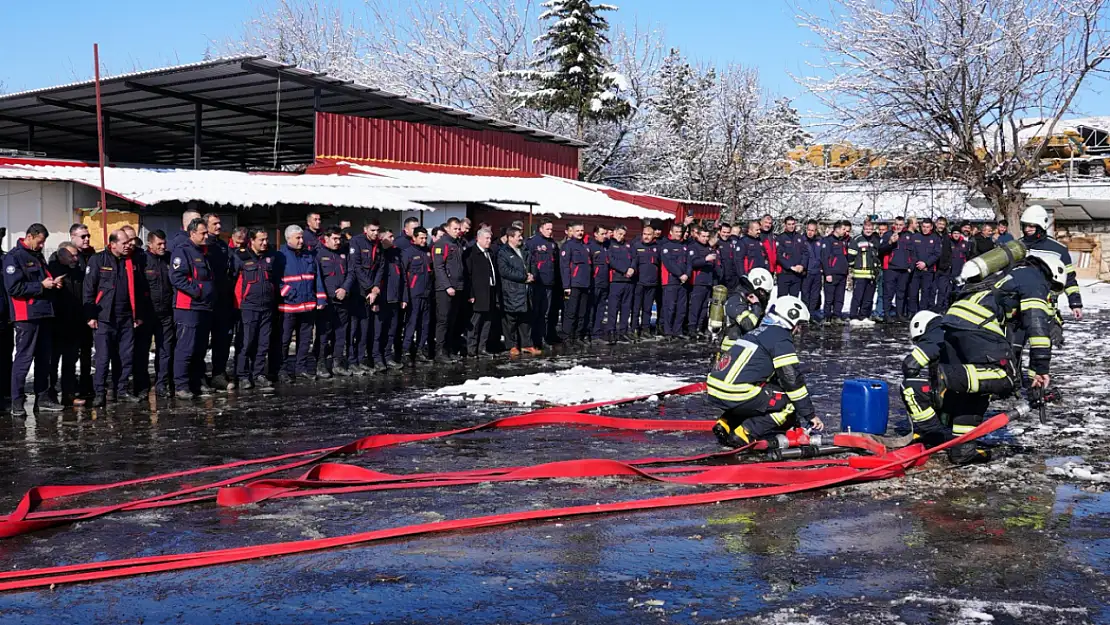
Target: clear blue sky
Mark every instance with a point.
(49, 42)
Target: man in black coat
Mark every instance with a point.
(481, 272)
(69, 323)
(516, 286)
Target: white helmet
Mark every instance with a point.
(1057, 271)
(919, 322)
(790, 309)
(1036, 215)
(761, 280)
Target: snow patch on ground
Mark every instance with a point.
(978, 611)
(1079, 471)
(1096, 295)
(577, 385)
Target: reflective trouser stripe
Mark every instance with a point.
(781, 416)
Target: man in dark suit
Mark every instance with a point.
(481, 271)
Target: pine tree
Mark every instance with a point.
(676, 90)
(571, 71)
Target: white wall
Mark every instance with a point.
(443, 211)
(24, 202)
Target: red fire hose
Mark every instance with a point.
(333, 478)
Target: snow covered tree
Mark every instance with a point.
(571, 71)
(977, 85)
(787, 123)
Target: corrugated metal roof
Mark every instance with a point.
(152, 112)
(151, 186)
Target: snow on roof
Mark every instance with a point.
(545, 194)
(150, 186)
(889, 199)
(1039, 125)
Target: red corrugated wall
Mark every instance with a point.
(345, 137)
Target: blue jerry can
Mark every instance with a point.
(864, 406)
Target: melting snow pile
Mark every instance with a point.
(577, 385)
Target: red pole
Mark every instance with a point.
(100, 146)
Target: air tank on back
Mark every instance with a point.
(1001, 257)
(717, 308)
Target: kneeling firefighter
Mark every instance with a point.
(978, 360)
(757, 382)
(746, 305)
(919, 378)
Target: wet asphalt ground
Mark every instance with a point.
(1009, 542)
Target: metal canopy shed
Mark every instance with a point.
(237, 112)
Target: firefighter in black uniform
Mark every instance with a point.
(112, 310)
(978, 361)
(450, 282)
(194, 300)
(758, 384)
(746, 305)
(31, 300)
(1034, 224)
(158, 321)
(255, 290)
(339, 283)
(224, 317)
(919, 378)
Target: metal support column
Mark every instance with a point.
(30, 137)
(315, 123)
(198, 114)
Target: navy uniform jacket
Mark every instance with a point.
(792, 250)
(960, 249)
(599, 260)
(813, 255)
(702, 272)
(255, 281)
(219, 259)
(834, 255)
(750, 254)
(364, 263)
(574, 262)
(764, 355)
(179, 237)
(24, 272)
(620, 261)
(156, 279)
(335, 274)
(110, 288)
(981, 324)
(448, 264)
(1048, 244)
(897, 255)
(302, 287)
(925, 248)
(417, 264)
(674, 261)
(645, 257)
(192, 278)
(726, 251)
(393, 279)
(312, 240)
(545, 259)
